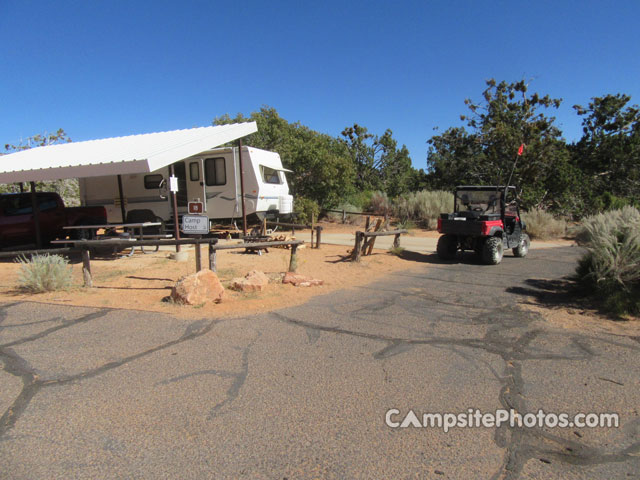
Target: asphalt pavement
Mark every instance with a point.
(304, 392)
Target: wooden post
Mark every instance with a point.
(36, 215)
(318, 235)
(396, 241)
(212, 258)
(244, 211)
(367, 223)
(86, 268)
(344, 216)
(123, 211)
(198, 258)
(358, 246)
(372, 240)
(293, 263)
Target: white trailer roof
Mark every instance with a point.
(118, 155)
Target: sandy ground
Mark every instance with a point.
(142, 281)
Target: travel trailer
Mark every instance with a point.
(211, 177)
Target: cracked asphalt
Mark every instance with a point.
(303, 392)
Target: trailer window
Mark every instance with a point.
(270, 175)
(152, 181)
(215, 172)
(194, 171)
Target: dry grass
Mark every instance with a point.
(542, 225)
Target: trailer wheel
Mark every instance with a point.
(447, 247)
(492, 251)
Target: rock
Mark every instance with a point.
(179, 256)
(254, 281)
(300, 280)
(198, 288)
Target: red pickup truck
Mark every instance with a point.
(17, 226)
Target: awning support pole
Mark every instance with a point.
(36, 215)
(244, 211)
(174, 201)
(122, 209)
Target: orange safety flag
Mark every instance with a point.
(521, 149)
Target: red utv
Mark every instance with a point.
(486, 219)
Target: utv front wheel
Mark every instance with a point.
(523, 247)
(447, 247)
(492, 251)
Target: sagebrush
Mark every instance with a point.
(347, 207)
(44, 273)
(611, 266)
(379, 204)
(423, 207)
(541, 224)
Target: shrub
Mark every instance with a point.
(379, 204)
(423, 207)
(44, 273)
(611, 266)
(360, 199)
(305, 209)
(542, 224)
(608, 201)
(347, 207)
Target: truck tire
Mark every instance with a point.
(89, 233)
(447, 247)
(523, 247)
(492, 251)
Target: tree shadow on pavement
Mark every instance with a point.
(432, 258)
(561, 293)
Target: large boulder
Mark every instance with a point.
(298, 280)
(254, 281)
(198, 288)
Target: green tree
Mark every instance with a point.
(609, 150)
(484, 152)
(379, 163)
(322, 168)
(67, 188)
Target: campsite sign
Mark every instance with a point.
(195, 224)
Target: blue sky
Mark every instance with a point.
(107, 68)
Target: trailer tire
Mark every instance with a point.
(492, 251)
(447, 247)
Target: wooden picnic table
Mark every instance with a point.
(105, 240)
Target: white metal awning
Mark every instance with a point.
(118, 155)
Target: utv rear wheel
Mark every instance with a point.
(447, 247)
(492, 251)
(523, 247)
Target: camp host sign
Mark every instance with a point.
(195, 224)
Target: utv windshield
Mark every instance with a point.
(485, 201)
